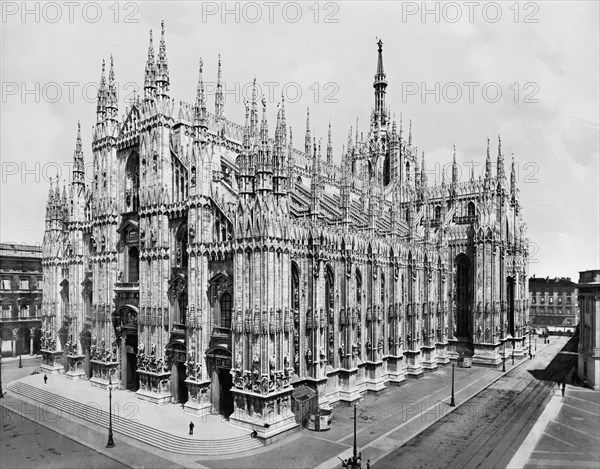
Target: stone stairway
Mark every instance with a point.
(136, 430)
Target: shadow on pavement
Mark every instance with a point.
(563, 367)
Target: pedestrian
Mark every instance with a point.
(191, 428)
(563, 389)
(368, 464)
(254, 434)
(45, 379)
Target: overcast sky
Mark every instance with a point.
(526, 72)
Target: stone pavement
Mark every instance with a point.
(567, 434)
(386, 421)
(169, 418)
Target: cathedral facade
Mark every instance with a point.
(213, 264)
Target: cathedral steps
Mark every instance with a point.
(68, 408)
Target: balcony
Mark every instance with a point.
(464, 220)
(127, 286)
(6, 320)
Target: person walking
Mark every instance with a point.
(191, 428)
(563, 389)
(45, 379)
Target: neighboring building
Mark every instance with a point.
(553, 304)
(588, 367)
(20, 298)
(212, 264)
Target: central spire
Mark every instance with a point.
(380, 84)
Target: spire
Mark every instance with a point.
(380, 84)
(283, 131)
(410, 132)
(264, 126)
(488, 165)
(219, 103)
(500, 162)
(162, 67)
(111, 94)
(254, 111)
(316, 188)
(307, 137)
(329, 146)
(200, 110)
(101, 106)
(423, 173)
(78, 166)
(454, 168)
(150, 72)
(513, 177)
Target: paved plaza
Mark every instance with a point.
(386, 421)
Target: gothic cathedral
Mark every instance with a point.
(213, 264)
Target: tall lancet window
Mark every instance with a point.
(132, 183)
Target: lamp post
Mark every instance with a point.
(504, 356)
(1, 393)
(513, 353)
(354, 451)
(452, 403)
(110, 443)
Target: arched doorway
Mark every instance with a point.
(464, 297)
(176, 351)
(125, 322)
(219, 368)
(510, 299)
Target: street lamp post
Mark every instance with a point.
(513, 353)
(452, 403)
(1, 393)
(110, 443)
(504, 356)
(354, 451)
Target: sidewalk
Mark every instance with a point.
(567, 434)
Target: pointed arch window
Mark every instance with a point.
(358, 287)
(471, 209)
(181, 254)
(133, 267)
(226, 305)
(132, 183)
(295, 287)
